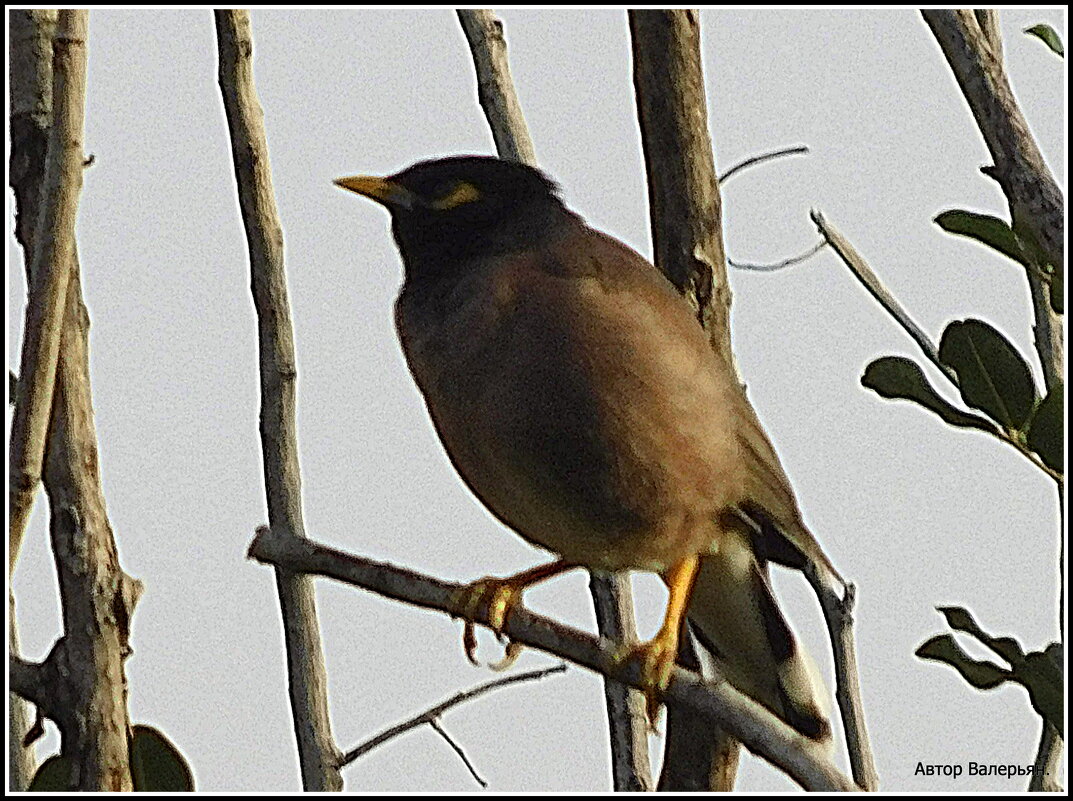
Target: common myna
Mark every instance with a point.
(579, 399)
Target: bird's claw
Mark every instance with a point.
(657, 658)
(499, 597)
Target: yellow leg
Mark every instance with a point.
(499, 596)
(658, 654)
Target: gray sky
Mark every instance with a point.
(916, 514)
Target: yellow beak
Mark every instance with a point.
(381, 190)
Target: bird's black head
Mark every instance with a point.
(447, 211)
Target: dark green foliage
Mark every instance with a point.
(992, 375)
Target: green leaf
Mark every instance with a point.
(1046, 34)
(984, 228)
(980, 674)
(156, 765)
(899, 377)
(1054, 653)
(1042, 676)
(961, 619)
(54, 776)
(1039, 672)
(1046, 432)
(992, 375)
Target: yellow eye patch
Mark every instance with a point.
(458, 195)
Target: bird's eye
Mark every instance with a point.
(455, 194)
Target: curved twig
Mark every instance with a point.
(796, 150)
(770, 268)
(431, 716)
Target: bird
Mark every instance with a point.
(579, 399)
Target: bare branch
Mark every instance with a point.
(987, 19)
(683, 191)
(22, 762)
(685, 209)
(684, 199)
(1037, 206)
(697, 755)
(838, 613)
(30, 33)
(495, 89)
(49, 276)
(305, 658)
(96, 596)
(802, 759)
(627, 720)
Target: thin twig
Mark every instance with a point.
(22, 762)
(770, 268)
(864, 273)
(438, 728)
(430, 716)
(754, 160)
(631, 771)
(36, 730)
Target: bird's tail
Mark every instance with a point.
(734, 615)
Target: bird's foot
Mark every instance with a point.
(498, 596)
(657, 657)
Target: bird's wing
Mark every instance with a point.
(733, 612)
